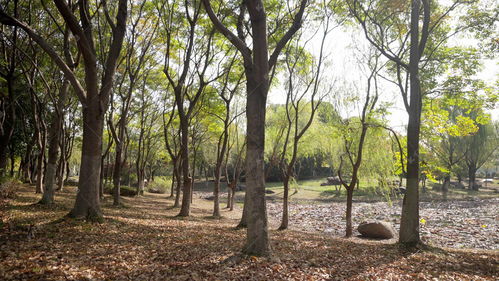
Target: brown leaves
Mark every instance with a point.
(144, 241)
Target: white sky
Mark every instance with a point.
(341, 48)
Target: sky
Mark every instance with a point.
(342, 46)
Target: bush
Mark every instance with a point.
(160, 185)
(124, 190)
(8, 188)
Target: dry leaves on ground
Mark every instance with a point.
(144, 241)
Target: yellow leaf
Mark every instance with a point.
(423, 221)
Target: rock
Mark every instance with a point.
(399, 190)
(376, 229)
(332, 181)
(268, 191)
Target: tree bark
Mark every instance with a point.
(409, 222)
(243, 223)
(285, 208)
(184, 148)
(53, 151)
(348, 217)
(87, 205)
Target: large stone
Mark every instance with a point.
(376, 229)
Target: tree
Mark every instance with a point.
(56, 129)
(412, 48)
(308, 84)
(382, 33)
(226, 94)
(479, 148)
(138, 43)
(354, 148)
(196, 46)
(257, 66)
(94, 97)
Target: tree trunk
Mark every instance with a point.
(117, 173)
(87, 205)
(445, 187)
(39, 169)
(53, 151)
(172, 188)
(8, 129)
(177, 191)
(409, 222)
(216, 194)
(471, 176)
(349, 229)
(12, 163)
(285, 215)
(229, 196)
(232, 195)
(60, 172)
(187, 187)
(243, 223)
(257, 242)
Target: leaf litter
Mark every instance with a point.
(145, 241)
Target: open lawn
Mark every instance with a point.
(145, 241)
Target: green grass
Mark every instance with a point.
(311, 190)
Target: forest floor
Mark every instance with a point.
(145, 241)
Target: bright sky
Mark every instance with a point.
(341, 47)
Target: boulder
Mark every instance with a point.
(399, 190)
(331, 181)
(376, 229)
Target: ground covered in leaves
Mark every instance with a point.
(145, 241)
(472, 223)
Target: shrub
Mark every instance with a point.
(124, 190)
(8, 188)
(159, 185)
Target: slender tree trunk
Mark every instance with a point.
(178, 192)
(12, 163)
(117, 173)
(229, 192)
(178, 189)
(8, 129)
(101, 178)
(285, 207)
(409, 222)
(172, 188)
(349, 229)
(39, 170)
(53, 151)
(243, 223)
(60, 173)
(232, 195)
(187, 187)
(216, 200)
